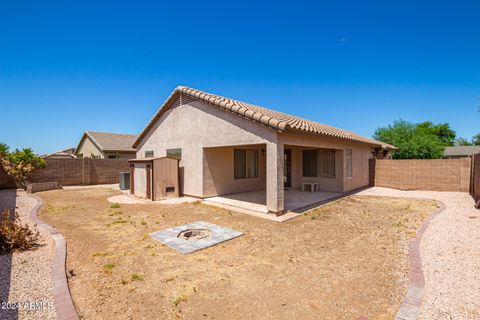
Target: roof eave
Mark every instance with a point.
(273, 123)
(351, 139)
(155, 117)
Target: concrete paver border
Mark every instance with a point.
(62, 299)
(412, 302)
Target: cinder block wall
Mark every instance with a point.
(68, 172)
(435, 175)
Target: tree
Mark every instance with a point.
(416, 141)
(476, 139)
(3, 149)
(442, 131)
(462, 142)
(19, 163)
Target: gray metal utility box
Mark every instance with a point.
(124, 180)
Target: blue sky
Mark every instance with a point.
(71, 66)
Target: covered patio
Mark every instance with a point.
(268, 178)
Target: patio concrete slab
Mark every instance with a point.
(297, 201)
(263, 215)
(128, 199)
(218, 235)
(254, 203)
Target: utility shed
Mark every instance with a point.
(154, 178)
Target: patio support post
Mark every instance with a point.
(275, 193)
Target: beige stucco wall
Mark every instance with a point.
(360, 169)
(87, 148)
(197, 126)
(218, 172)
(140, 178)
(360, 155)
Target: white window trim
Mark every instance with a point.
(351, 160)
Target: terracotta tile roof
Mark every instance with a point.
(272, 118)
(108, 141)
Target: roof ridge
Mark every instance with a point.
(276, 119)
(115, 133)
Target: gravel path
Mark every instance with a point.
(26, 276)
(450, 251)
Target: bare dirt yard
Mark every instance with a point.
(342, 261)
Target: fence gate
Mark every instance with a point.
(476, 179)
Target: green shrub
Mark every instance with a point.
(108, 266)
(136, 277)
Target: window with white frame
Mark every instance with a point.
(175, 153)
(309, 162)
(245, 163)
(318, 163)
(148, 153)
(326, 163)
(348, 163)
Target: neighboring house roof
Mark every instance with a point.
(459, 151)
(277, 120)
(109, 142)
(67, 153)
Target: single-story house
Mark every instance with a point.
(63, 154)
(226, 147)
(106, 145)
(460, 152)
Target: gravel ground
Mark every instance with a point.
(450, 251)
(26, 276)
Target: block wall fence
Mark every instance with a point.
(437, 175)
(68, 172)
(475, 187)
(434, 175)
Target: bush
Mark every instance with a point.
(15, 236)
(19, 163)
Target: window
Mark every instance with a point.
(112, 156)
(175, 153)
(319, 163)
(309, 163)
(149, 154)
(326, 163)
(245, 163)
(348, 163)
